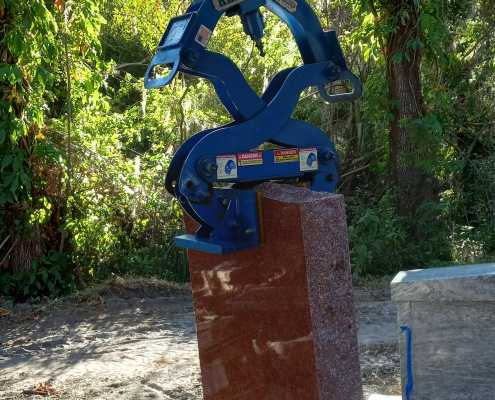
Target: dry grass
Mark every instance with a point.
(127, 288)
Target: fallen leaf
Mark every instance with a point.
(42, 389)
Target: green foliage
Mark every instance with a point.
(377, 236)
(474, 209)
(31, 43)
(383, 243)
(51, 275)
(82, 165)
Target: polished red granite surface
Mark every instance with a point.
(277, 323)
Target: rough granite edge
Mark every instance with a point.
(465, 283)
(323, 221)
(293, 194)
(323, 217)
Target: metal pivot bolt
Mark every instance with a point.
(327, 155)
(207, 167)
(195, 190)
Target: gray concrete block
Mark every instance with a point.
(451, 312)
(465, 283)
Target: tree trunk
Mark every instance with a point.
(403, 59)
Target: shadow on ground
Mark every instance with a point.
(117, 346)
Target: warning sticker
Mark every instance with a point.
(227, 166)
(250, 158)
(203, 36)
(308, 159)
(285, 155)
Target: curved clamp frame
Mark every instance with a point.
(185, 40)
(209, 160)
(356, 92)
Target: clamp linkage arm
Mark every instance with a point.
(183, 48)
(212, 173)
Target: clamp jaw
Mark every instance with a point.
(213, 172)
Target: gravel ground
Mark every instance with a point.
(138, 342)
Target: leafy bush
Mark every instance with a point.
(50, 276)
(377, 236)
(82, 164)
(382, 242)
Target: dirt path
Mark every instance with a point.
(119, 346)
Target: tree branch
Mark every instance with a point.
(8, 252)
(355, 171)
(141, 63)
(4, 241)
(376, 17)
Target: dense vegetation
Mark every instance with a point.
(84, 148)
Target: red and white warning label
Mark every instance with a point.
(285, 155)
(227, 166)
(250, 158)
(308, 159)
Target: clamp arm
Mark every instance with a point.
(183, 48)
(237, 96)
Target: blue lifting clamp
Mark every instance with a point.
(213, 173)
